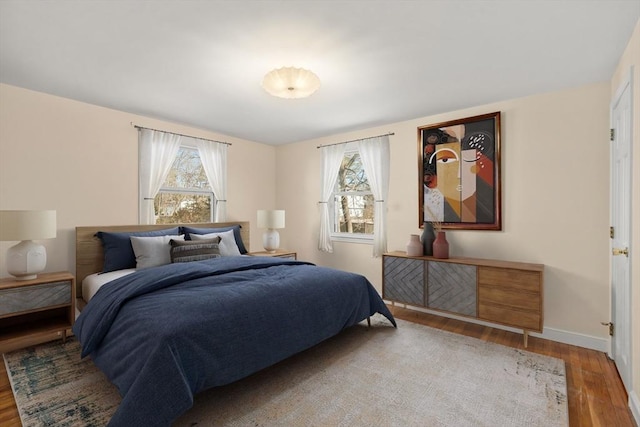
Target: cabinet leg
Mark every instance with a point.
(525, 337)
(64, 335)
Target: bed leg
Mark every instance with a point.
(368, 322)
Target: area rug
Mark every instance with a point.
(379, 376)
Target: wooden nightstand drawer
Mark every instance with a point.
(30, 298)
(279, 253)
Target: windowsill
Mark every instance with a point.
(367, 240)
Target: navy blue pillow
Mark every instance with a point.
(235, 228)
(118, 252)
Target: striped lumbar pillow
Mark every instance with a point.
(194, 250)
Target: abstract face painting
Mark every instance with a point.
(459, 168)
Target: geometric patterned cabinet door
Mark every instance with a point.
(452, 287)
(33, 297)
(403, 280)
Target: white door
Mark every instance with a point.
(621, 222)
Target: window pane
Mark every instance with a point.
(187, 171)
(351, 176)
(353, 201)
(174, 208)
(185, 196)
(353, 214)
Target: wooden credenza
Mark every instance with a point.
(503, 292)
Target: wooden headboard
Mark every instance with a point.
(89, 255)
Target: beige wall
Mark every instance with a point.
(630, 60)
(82, 160)
(555, 200)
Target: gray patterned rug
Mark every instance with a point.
(412, 376)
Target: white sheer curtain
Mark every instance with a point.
(374, 153)
(156, 153)
(331, 160)
(214, 161)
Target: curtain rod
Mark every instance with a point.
(356, 140)
(180, 134)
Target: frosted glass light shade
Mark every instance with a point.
(271, 220)
(291, 82)
(26, 259)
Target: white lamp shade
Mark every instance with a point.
(27, 225)
(291, 82)
(270, 219)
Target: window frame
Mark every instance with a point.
(336, 236)
(191, 191)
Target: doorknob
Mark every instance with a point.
(624, 251)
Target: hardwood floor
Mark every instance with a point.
(596, 396)
(8, 411)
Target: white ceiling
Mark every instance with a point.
(200, 63)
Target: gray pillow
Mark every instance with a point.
(194, 250)
(152, 251)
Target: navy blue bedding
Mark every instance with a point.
(163, 334)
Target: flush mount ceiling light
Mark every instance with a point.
(291, 82)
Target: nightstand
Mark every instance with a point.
(279, 253)
(36, 311)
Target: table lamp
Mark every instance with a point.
(26, 259)
(271, 220)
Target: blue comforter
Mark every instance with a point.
(163, 334)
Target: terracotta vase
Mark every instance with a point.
(441, 246)
(427, 238)
(414, 246)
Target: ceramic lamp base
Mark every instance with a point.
(26, 259)
(271, 240)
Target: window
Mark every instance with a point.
(185, 196)
(352, 201)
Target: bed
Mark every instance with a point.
(164, 333)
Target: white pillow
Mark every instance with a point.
(228, 245)
(152, 251)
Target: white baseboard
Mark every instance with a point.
(574, 338)
(634, 405)
(552, 334)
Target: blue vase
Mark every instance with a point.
(427, 238)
